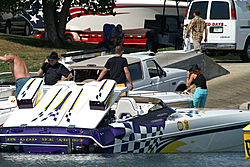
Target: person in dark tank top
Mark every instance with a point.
(199, 81)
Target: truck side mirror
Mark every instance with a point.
(163, 74)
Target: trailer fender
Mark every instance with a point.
(72, 36)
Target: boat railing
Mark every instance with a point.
(8, 108)
(6, 75)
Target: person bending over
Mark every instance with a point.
(19, 70)
(199, 81)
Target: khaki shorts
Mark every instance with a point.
(122, 85)
(197, 44)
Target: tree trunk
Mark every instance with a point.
(63, 19)
(50, 22)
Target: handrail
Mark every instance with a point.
(9, 75)
(38, 145)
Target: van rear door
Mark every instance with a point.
(217, 15)
(202, 6)
(221, 28)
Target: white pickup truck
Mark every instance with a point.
(146, 73)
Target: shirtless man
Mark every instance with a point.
(18, 68)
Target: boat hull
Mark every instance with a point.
(87, 119)
(130, 14)
(138, 135)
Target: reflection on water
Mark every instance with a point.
(181, 159)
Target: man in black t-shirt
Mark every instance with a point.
(118, 68)
(53, 70)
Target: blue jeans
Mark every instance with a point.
(19, 84)
(200, 97)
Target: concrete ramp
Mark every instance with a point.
(184, 60)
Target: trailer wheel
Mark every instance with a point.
(151, 45)
(245, 54)
(179, 45)
(69, 38)
(27, 28)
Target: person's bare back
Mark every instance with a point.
(18, 66)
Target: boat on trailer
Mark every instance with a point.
(94, 118)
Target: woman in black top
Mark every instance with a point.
(199, 81)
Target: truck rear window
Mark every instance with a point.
(220, 10)
(202, 6)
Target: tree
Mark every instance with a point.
(56, 12)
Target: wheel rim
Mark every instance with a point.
(27, 30)
(69, 40)
(248, 51)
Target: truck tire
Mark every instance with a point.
(245, 54)
(69, 38)
(179, 45)
(151, 45)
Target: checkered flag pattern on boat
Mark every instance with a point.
(142, 142)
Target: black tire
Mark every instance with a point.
(179, 45)
(27, 29)
(69, 38)
(7, 27)
(151, 45)
(245, 54)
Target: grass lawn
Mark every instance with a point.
(34, 51)
(227, 57)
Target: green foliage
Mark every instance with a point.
(56, 12)
(89, 6)
(15, 6)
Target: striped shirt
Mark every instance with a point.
(198, 25)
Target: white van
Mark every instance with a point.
(228, 23)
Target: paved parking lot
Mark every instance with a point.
(231, 90)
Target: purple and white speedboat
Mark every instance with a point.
(92, 118)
